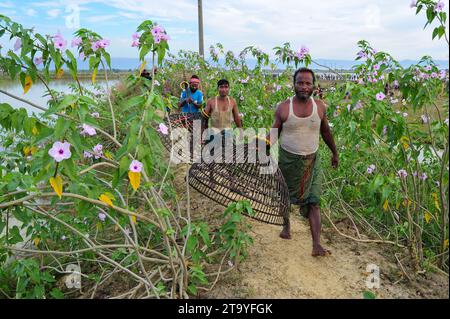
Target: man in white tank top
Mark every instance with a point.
(300, 121)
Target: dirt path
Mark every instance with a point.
(279, 268)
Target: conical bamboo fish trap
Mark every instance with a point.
(184, 124)
(243, 179)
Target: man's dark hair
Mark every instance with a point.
(146, 74)
(303, 70)
(223, 82)
(195, 77)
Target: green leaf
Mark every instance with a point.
(56, 293)
(369, 295)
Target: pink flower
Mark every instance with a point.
(135, 43)
(442, 74)
(424, 119)
(18, 44)
(413, 4)
(428, 68)
(439, 7)
(405, 114)
(423, 176)
(362, 54)
(380, 96)
(136, 166)
(95, 46)
(384, 130)
(76, 42)
(434, 75)
(88, 130)
(98, 151)
(163, 129)
(103, 43)
(402, 173)
(95, 115)
(87, 154)
(165, 37)
(371, 168)
(59, 41)
(60, 151)
(135, 36)
(302, 52)
(37, 60)
(82, 56)
(101, 216)
(446, 121)
(157, 30)
(376, 67)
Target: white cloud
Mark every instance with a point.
(100, 18)
(30, 12)
(53, 13)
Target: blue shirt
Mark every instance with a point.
(197, 97)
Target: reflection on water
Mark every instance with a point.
(37, 92)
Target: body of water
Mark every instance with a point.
(37, 93)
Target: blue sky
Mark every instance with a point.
(329, 28)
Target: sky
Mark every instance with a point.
(329, 28)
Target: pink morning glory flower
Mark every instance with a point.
(428, 68)
(95, 115)
(380, 96)
(423, 176)
(76, 42)
(446, 121)
(59, 41)
(384, 130)
(157, 30)
(424, 119)
(102, 216)
(88, 130)
(442, 74)
(376, 67)
(95, 46)
(60, 151)
(82, 56)
(439, 7)
(38, 60)
(302, 52)
(135, 43)
(402, 173)
(135, 36)
(371, 168)
(163, 129)
(136, 166)
(98, 151)
(87, 154)
(362, 54)
(17, 44)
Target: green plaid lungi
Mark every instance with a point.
(303, 177)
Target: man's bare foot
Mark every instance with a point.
(320, 251)
(286, 232)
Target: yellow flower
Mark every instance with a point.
(56, 183)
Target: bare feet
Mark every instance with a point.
(286, 232)
(320, 251)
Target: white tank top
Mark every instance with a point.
(300, 135)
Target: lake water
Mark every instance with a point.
(36, 93)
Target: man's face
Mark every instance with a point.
(304, 86)
(224, 90)
(193, 86)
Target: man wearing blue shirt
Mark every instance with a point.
(191, 99)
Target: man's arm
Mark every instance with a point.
(182, 100)
(277, 124)
(237, 118)
(327, 136)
